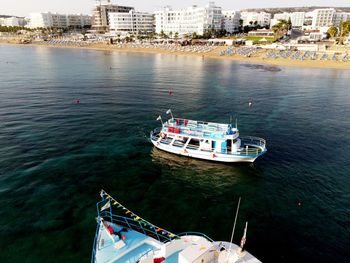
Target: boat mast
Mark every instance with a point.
(234, 225)
(160, 119)
(169, 112)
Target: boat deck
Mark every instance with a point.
(136, 245)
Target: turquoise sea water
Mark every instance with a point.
(56, 154)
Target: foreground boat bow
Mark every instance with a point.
(123, 237)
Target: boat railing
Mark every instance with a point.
(93, 258)
(140, 226)
(240, 152)
(253, 141)
(197, 128)
(147, 253)
(155, 133)
(135, 225)
(195, 234)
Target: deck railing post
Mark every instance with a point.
(126, 221)
(142, 228)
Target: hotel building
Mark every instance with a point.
(12, 21)
(231, 21)
(131, 22)
(322, 18)
(100, 18)
(296, 18)
(190, 20)
(47, 20)
(340, 17)
(250, 18)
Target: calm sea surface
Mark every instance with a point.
(55, 154)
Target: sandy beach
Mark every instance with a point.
(257, 58)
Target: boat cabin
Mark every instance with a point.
(199, 135)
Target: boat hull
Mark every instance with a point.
(206, 155)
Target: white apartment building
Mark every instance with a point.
(261, 18)
(100, 17)
(40, 20)
(78, 20)
(46, 20)
(282, 16)
(132, 22)
(322, 17)
(296, 18)
(231, 20)
(279, 16)
(340, 17)
(58, 20)
(12, 21)
(190, 20)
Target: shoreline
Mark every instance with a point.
(214, 54)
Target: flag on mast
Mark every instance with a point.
(244, 238)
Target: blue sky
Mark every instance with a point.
(24, 7)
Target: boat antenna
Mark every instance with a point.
(234, 225)
(236, 124)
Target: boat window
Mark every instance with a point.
(194, 142)
(234, 141)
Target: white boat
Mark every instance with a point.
(206, 140)
(125, 237)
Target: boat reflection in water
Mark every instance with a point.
(191, 169)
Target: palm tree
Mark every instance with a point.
(162, 34)
(344, 31)
(332, 31)
(281, 28)
(176, 36)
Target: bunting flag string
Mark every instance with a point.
(135, 217)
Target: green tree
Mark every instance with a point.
(194, 35)
(344, 31)
(240, 29)
(332, 31)
(176, 35)
(289, 23)
(281, 28)
(345, 28)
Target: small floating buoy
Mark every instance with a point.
(299, 203)
(77, 101)
(250, 103)
(170, 92)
